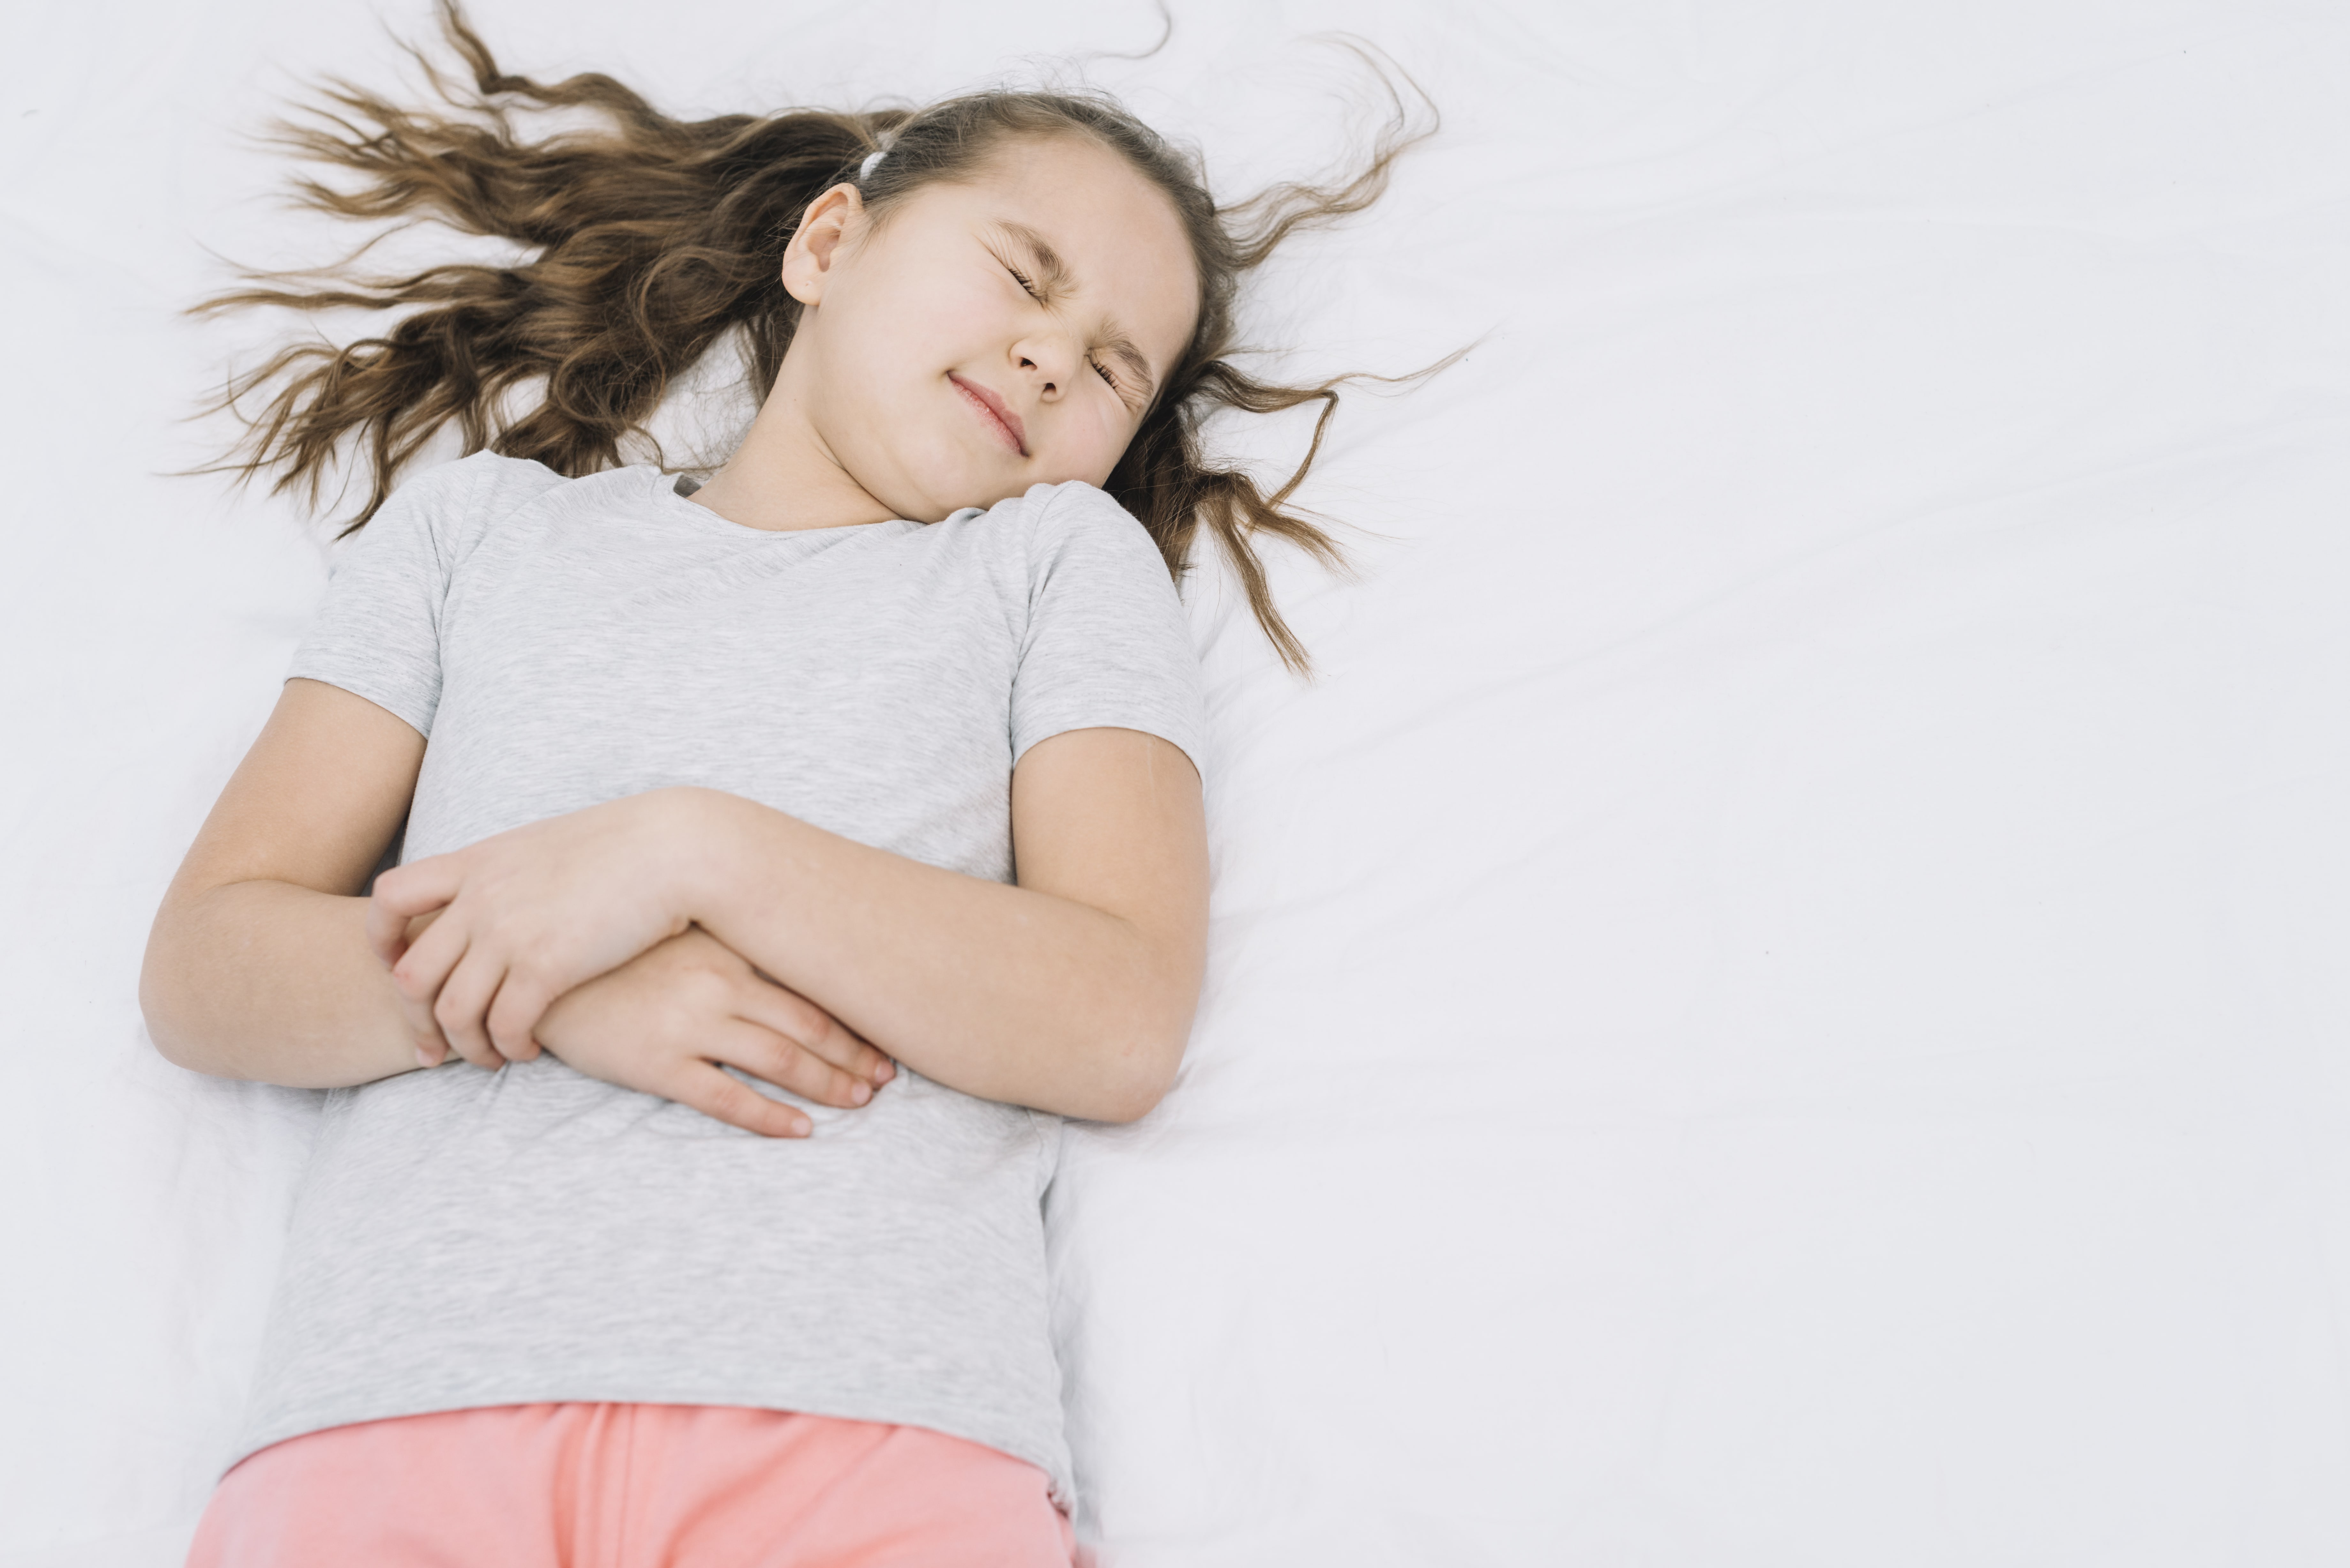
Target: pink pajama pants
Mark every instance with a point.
(632, 1486)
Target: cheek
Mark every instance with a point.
(889, 348)
(1097, 438)
(904, 331)
(878, 379)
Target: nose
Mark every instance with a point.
(1048, 362)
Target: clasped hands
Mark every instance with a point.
(576, 935)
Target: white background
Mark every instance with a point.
(1782, 1000)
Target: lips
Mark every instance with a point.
(1004, 423)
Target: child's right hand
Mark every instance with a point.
(664, 1021)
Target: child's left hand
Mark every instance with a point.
(528, 914)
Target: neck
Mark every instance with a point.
(784, 477)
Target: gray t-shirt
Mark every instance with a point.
(467, 1239)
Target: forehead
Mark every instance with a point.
(1124, 244)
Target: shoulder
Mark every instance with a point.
(445, 509)
(1107, 642)
(484, 483)
(1076, 524)
(1075, 507)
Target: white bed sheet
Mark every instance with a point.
(1781, 1002)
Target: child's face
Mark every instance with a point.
(938, 379)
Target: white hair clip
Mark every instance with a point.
(864, 170)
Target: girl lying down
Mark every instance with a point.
(783, 857)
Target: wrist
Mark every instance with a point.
(682, 833)
(703, 833)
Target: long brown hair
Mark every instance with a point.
(654, 237)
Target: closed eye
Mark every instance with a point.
(1028, 287)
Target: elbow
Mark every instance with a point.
(161, 980)
(1152, 1032)
(1125, 1105)
(183, 1047)
(174, 1046)
(154, 1008)
(1139, 1078)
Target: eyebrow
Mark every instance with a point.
(1054, 274)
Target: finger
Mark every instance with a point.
(794, 1017)
(423, 1033)
(416, 1011)
(464, 997)
(392, 951)
(423, 969)
(431, 1047)
(521, 1002)
(421, 885)
(710, 1091)
(387, 932)
(763, 1053)
(402, 894)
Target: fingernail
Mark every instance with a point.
(859, 1092)
(801, 1127)
(424, 1057)
(884, 1072)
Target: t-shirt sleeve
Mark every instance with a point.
(378, 630)
(1106, 643)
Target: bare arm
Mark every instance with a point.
(258, 964)
(1071, 991)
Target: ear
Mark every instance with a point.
(807, 260)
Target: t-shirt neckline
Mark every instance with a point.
(674, 488)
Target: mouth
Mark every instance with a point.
(1001, 422)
